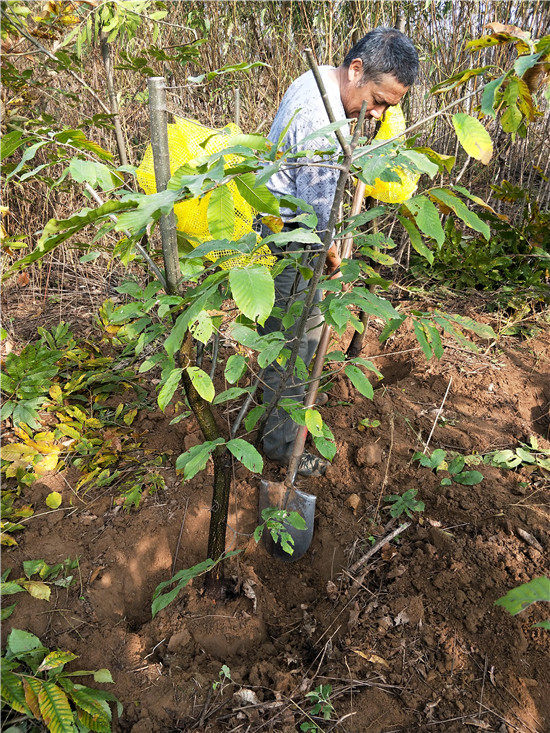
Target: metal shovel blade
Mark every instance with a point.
(281, 496)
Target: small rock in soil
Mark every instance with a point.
(353, 502)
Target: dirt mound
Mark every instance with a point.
(411, 642)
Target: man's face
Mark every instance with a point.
(378, 95)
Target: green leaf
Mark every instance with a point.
(10, 143)
(421, 162)
(94, 173)
(359, 380)
(7, 611)
(488, 96)
(259, 197)
(221, 213)
(314, 422)
(456, 465)
(235, 368)
(523, 63)
(246, 454)
(54, 499)
(202, 383)
(517, 599)
(168, 388)
(468, 478)
(57, 231)
(229, 394)
(55, 708)
(254, 291)
(416, 239)
(543, 625)
(9, 588)
(97, 714)
(103, 675)
(53, 660)
(175, 338)
(149, 208)
(427, 218)
(326, 447)
(182, 578)
(511, 118)
(196, 458)
(473, 137)
(13, 692)
(300, 236)
(21, 642)
(253, 416)
(471, 219)
(420, 333)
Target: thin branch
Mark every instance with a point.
(51, 56)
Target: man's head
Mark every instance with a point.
(379, 69)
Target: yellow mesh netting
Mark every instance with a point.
(184, 142)
(393, 193)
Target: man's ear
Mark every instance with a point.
(355, 70)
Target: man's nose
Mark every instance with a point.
(377, 112)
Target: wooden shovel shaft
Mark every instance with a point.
(300, 440)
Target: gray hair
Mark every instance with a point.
(385, 51)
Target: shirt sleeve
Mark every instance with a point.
(314, 184)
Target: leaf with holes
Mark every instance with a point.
(235, 368)
(196, 458)
(202, 383)
(246, 454)
(519, 598)
(426, 218)
(314, 422)
(54, 660)
(168, 388)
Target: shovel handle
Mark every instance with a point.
(300, 440)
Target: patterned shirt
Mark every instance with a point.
(302, 103)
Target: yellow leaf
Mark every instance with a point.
(15, 452)
(130, 416)
(54, 500)
(275, 223)
(93, 422)
(56, 392)
(374, 658)
(37, 589)
(7, 540)
(46, 464)
(473, 137)
(32, 687)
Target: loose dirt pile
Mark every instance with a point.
(412, 642)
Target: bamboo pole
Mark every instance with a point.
(161, 157)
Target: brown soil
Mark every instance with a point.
(417, 645)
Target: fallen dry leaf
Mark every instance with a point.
(374, 658)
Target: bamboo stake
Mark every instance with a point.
(161, 157)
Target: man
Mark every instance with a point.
(378, 70)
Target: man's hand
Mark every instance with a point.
(333, 262)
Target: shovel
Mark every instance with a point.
(283, 494)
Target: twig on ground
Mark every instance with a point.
(437, 415)
(385, 480)
(378, 546)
